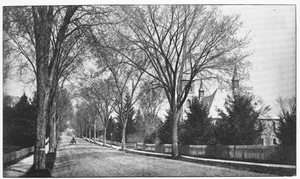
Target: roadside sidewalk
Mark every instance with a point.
(20, 168)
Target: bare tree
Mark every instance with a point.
(126, 80)
(61, 110)
(150, 103)
(30, 29)
(19, 35)
(46, 68)
(8, 59)
(181, 43)
(103, 91)
(92, 108)
(151, 98)
(42, 36)
(99, 93)
(85, 118)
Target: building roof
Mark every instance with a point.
(208, 100)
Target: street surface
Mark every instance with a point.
(89, 160)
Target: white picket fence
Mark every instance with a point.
(237, 152)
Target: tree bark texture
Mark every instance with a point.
(95, 134)
(90, 134)
(52, 121)
(43, 21)
(55, 135)
(104, 136)
(175, 116)
(52, 135)
(124, 136)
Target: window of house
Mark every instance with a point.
(189, 102)
(192, 89)
(274, 141)
(262, 141)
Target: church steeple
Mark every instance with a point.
(235, 81)
(201, 90)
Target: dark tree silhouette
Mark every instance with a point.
(20, 123)
(196, 129)
(165, 132)
(239, 124)
(286, 131)
(111, 129)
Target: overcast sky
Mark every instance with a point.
(273, 31)
(273, 34)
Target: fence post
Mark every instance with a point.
(234, 151)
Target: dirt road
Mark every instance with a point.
(89, 160)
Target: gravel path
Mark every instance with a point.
(88, 160)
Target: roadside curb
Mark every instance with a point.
(152, 154)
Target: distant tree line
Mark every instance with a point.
(19, 121)
(239, 124)
(138, 128)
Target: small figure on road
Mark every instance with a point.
(73, 141)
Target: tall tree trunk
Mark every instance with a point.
(43, 17)
(43, 21)
(39, 156)
(86, 133)
(175, 116)
(39, 153)
(176, 110)
(104, 136)
(79, 131)
(52, 128)
(95, 132)
(124, 136)
(52, 136)
(145, 131)
(90, 134)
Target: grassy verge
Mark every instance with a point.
(253, 168)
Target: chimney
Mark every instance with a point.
(201, 90)
(235, 81)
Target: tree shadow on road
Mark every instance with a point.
(50, 159)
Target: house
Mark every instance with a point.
(268, 136)
(216, 101)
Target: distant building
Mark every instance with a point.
(216, 101)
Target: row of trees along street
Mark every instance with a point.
(104, 54)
